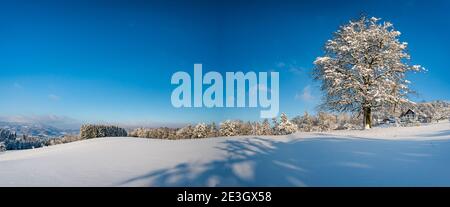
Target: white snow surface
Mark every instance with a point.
(402, 156)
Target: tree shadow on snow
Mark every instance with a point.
(313, 162)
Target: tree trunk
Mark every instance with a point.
(367, 117)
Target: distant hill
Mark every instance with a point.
(36, 129)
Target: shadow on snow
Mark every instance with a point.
(314, 162)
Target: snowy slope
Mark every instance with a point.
(412, 156)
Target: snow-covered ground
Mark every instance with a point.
(410, 156)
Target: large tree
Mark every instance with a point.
(364, 68)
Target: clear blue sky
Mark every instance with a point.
(112, 60)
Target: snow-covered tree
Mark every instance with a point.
(304, 123)
(364, 68)
(200, 131)
(229, 128)
(275, 125)
(185, 132)
(430, 111)
(7, 135)
(256, 128)
(326, 121)
(212, 130)
(2, 146)
(285, 126)
(245, 128)
(265, 128)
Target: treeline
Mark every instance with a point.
(94, 131)
(277, 126)
(62, 140)
(435, 111)
(89, 131)
(283, 126)
(322, 121)
(10, 141)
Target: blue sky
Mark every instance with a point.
(111, 61)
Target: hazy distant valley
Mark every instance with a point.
(36, 129)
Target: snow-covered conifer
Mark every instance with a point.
(200, 131)
(228, 128)
(265, 128)
(2, 146)
(256, 128)
(185, 132)
(212, 130)
(245, 128)
(275, 126)
(285, 126)
(326, 121)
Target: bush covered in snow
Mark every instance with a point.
(94, 131)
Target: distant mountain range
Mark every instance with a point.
(36, 129)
